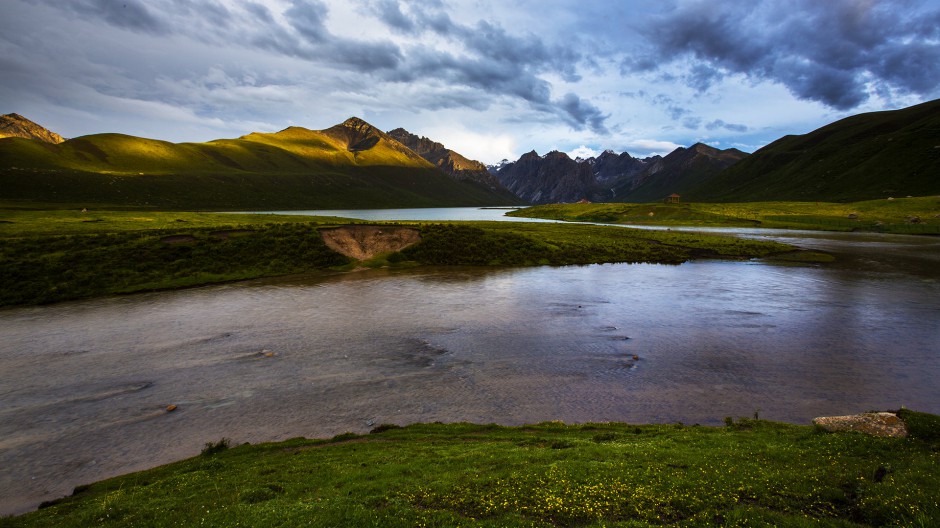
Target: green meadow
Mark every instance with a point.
(54, 255)
(750, 472)
(919, 216)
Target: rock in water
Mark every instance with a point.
(875, 424)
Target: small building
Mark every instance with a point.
(672, 199)
(583, 201)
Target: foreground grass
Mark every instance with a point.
(902, 215)
(749, 473)
(54, 255)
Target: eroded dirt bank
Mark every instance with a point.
(363, 242)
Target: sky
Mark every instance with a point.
(487, 78)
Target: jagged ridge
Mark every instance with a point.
(15, 125)
(610, 177)
(452, 163)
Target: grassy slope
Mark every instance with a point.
(749, 473)
(49, 256)
(863, 157)
(876, 215)
(294, 168)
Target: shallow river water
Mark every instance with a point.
(84, 385)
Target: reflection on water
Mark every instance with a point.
(435, 214)
(85, 385)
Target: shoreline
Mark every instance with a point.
(674, 446)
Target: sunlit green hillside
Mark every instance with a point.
(349, 165)
(902, 215)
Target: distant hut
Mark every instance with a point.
(583, 201)
(672, 199)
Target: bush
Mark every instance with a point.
(923, 426)
(217, 447)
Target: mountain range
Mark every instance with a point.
(355, 165)
(352, 164)
(612, 177)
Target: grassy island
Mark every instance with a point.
(916, 216)
(748, 473)
(54, 255)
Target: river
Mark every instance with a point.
(85, 384)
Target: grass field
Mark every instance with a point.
(748, 473)
(902, 216)
(54, 255)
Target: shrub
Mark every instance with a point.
(212, 448)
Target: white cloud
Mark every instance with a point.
(583, 152)
(641, 148)
(488, 148)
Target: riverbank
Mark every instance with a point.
(55, 255)
(911, 216)
(750, 472)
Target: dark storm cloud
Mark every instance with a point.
(307, 19)
(672, 108)
(692, 123)
(390, 12)
(260, 12)
(579, 112)
(830, 52)
(208, 10)
(701, 77)
(128, 14)
(482, 55)
(720, 124)
(496, 62)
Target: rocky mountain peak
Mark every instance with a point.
(15, 125)
(357, 123)
(451, 163)
(556, 154)
(357, 134)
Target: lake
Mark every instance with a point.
(85, 384)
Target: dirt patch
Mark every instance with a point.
(178, 239)
(363, 242)
(225, 235)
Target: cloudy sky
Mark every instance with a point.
(488, 78)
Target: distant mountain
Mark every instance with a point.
(452, 163)
(681, 171)
(866, 156)
(15, 125)
(352, 164)
(612, 166)
(612, 177)
(552, 178)
(494, 169)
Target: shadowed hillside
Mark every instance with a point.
(867, 156)
(679, 171)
